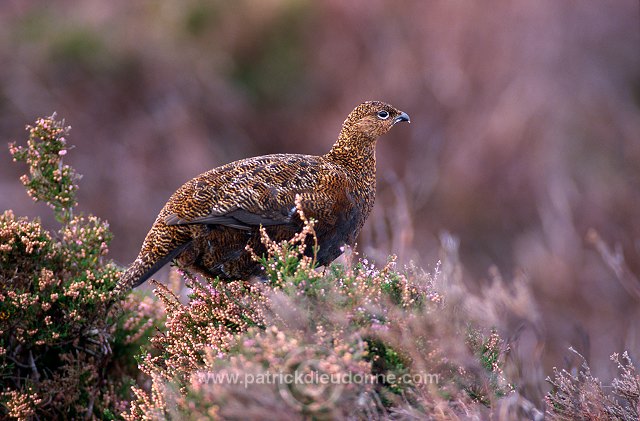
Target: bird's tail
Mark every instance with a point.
(141, 270)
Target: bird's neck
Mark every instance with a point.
(355, 152)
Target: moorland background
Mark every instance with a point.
(525, 130)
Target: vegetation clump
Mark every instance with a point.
(64, 353)
(353, 340)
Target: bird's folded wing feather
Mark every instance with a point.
(228, 198)
(237, 218)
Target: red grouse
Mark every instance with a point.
(208, 222)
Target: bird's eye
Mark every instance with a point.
(383, 115)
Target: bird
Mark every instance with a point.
(207, 224)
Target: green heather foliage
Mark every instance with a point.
(63, 352)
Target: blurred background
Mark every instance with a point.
(525, 128)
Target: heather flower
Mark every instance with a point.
(20, 405)
(49, 180)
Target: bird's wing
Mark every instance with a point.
(254, 192)
(237, 218)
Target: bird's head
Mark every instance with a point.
(355, 146)
(374, 118)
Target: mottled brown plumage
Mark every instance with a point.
(208, 222)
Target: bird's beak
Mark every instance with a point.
(402, 117)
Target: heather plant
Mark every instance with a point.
(64, 351)
(374, 335)
(49, 180)
(207, 323)
(581, 395)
